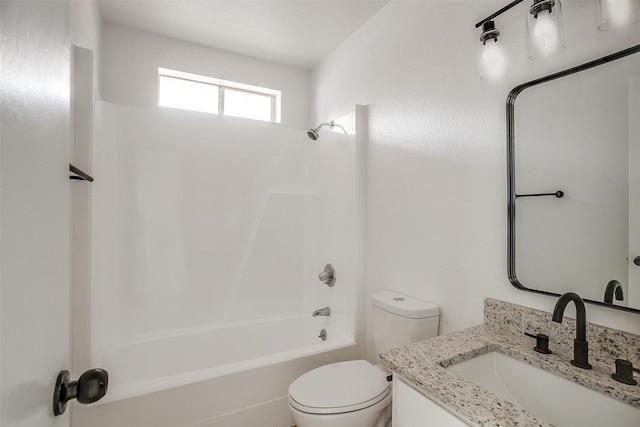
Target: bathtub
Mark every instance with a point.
(169, 361)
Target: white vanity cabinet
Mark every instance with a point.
(412, 409)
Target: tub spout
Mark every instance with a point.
(322, 312)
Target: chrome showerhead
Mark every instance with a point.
(314, 134)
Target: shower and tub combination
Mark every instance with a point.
(208, 240)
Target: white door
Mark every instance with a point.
(35, 210)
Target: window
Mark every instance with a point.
(177, 89)
(188, 94)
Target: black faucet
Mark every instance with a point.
(613, 286)
(580, 344)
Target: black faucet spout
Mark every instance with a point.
(580, 344)
(581, 315)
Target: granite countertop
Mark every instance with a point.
(423, 365)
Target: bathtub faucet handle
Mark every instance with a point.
(328, 276)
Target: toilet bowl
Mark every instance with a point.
(357, 393)
(345, 394)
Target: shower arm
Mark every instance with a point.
(331, 124)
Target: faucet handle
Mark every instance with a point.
(542, 343)
(328, 275)
(624, 372)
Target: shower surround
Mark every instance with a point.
(208, 236)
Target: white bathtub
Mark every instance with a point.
(170, 361)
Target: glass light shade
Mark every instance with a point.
(614, 14)
(546, 37)
(493, 62)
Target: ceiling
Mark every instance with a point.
(293, 32)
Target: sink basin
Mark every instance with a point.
(549, 397)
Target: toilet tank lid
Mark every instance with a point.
(405, 306)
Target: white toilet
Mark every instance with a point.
(357, 393)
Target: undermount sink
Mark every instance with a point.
(549, 397)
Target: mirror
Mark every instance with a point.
(573, 146)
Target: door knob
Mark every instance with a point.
(89, 388)
(636, 260)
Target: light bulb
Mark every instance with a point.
(546, 38)
(493, 61)
(617, 13)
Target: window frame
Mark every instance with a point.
(272, 94)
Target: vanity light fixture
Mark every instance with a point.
(545, 35)
(493, 63)
(614, 14)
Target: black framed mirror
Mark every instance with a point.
(573, 160)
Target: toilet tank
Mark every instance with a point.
(400, 320)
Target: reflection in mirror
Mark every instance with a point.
(574, 150)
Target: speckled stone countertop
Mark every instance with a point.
(423, 364)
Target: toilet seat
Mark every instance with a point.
(338, 388)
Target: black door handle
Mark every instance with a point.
(90, 387)
(636, 260)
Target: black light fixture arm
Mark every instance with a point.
(499, 12)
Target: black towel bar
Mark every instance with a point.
(558, 194)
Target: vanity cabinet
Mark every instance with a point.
(412, 409)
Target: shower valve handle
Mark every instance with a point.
(328, 276)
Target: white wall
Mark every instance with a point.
(130, 71)
(436, 188)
